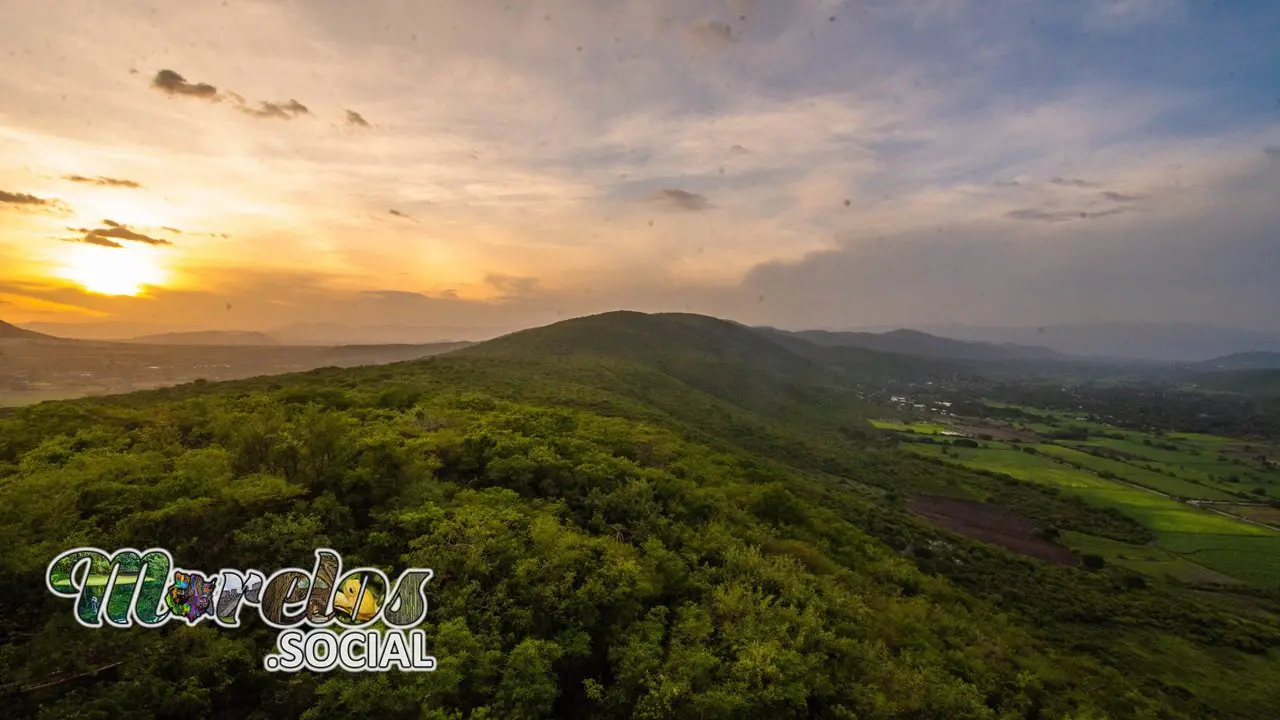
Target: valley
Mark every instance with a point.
(33, 371)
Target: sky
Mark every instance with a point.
(255, 164)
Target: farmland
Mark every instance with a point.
(1224, 542)
(918, 428)
(1146, 559)
(1132, 473)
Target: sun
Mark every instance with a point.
(113, 271)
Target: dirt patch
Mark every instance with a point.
(991, 524)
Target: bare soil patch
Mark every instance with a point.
(991, 524)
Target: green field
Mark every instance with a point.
(1201, 438)
(1135, 474)
(1165, 516)
(1147, 559)
(918, 428)
(1021, 465)
(1200, 456)
(1255, 559)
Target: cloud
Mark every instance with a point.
(23, 199)
(911, 112)
(1153, 266)
(1043, 215)
(355, 119)
(511, 285)
(1273, 152)
(171, 83)
(1040, 215)
(399, 214)
(709, 36)
(109, 182)
(1119, 197)
(681, 199)
(107, 236)
(284, 111)
(91, 238)
(1126, 14)
(1073, 182)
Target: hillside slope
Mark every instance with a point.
(628, 516)
(13, 332)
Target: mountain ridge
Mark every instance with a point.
(905, 341)
(1165, 342)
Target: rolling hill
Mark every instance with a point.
(627, 515)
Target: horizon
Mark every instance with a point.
(825, 165)
(484, 333)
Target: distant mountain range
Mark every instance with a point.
(1172, 342)
(1243, 361)
(1181, 343)
(206, 337)
(921, 344)
(326, 334)
(338, 334)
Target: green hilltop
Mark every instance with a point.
(628, 516)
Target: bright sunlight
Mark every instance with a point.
(110, 271)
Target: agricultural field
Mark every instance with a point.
(1135, 474)
(1255, 559)
(1257, 513)
(917, 428)
(1146, 559)
(1014, 463)
(1189, 537)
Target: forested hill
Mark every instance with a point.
(629, 516)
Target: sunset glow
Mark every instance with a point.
(110, 271)
(501, 165)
